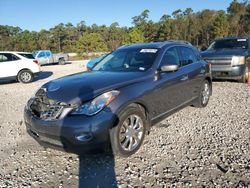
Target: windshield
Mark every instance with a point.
(229, 44)
(129, 60)
(34, 53)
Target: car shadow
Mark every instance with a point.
(3, 82)
(97, 171)
(224, 80)
(45, 65)
(43, 75)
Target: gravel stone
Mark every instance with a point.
(208, 147)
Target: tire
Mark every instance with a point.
(61, 61)
(204, 95)
(244, 76)
(127, 137)
(25, 76)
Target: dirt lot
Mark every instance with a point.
(194, 148)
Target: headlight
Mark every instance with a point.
(97, 104)
(238, 60)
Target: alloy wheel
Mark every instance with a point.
(25, 77)
(205, 93)
(131, 132)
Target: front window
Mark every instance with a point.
(229, 44)
(188, 56)
(42, 54)
(128, 60)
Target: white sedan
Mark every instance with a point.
(20, 66)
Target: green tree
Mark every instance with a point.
(164, 31)
(221, 25)
(205, 23)
(141, 20)
(236, 11)
(245, 22)
(134, 36)
(91, 42)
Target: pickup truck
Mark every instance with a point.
(46, 57)
(229, 58)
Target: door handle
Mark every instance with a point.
(184, 78)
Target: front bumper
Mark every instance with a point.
(235, 72)
(61, 134)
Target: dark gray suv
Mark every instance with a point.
(115, 104)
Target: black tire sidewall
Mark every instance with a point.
(244, 77)
(115, 141)
(20, 79)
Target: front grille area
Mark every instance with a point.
(219, 60)
(44, 108)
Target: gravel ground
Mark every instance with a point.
(207, 147)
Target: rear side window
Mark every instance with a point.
(187, 56)
(8, 57)
(29, 56)
(48, 54)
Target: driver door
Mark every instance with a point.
(42, 59)
(168, 93)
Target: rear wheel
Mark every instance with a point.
(204, 95)
(61, 61)
(128, 135)
(25, 76)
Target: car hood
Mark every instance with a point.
(82, 87)
(224, 52)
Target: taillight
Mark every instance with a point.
(35, 61)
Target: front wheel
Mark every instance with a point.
(128, 135)
(25, 76)
(204, 95)
(244, 77)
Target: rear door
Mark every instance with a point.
(42, 59)
(194, 71)
(49, 57)
(8, 65)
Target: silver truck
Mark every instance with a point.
(46, 57)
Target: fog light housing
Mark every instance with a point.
(83, 137)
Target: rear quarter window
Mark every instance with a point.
(28, 56)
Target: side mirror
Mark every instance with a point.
(169, 68)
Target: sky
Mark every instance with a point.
(35, 15)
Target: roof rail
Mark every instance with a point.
(181, 41)
(123, 46)
(177, 41)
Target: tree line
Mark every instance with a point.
(200, 28)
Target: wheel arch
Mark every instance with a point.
(143, 108)
(23, 69)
